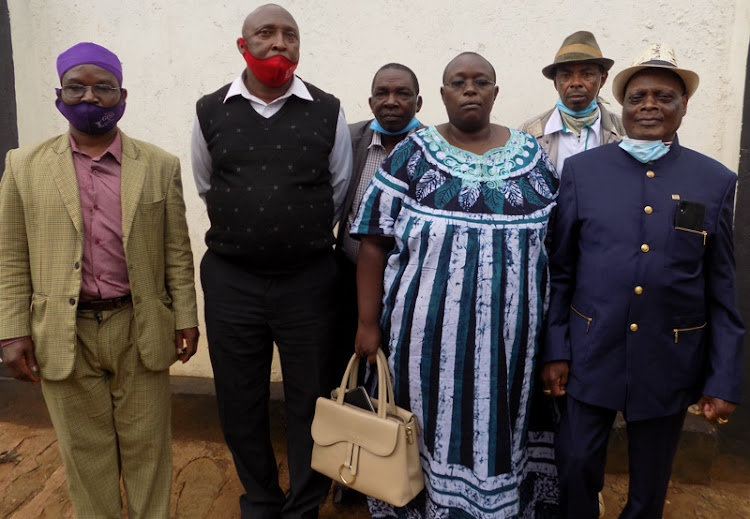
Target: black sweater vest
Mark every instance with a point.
(271, 200)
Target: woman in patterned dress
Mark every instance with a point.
(452, 230)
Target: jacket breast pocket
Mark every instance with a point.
(685, 248)
(687, 236)
(152, 212)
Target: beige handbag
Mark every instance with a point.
(373, 453)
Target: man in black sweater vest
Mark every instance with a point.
(272, 160)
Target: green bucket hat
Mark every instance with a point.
(579, 46)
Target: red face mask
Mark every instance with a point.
(273, 71)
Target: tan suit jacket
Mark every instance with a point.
(612, 130)
(41, 246)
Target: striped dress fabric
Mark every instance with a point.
(465, 290)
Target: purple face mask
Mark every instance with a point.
(90, 118)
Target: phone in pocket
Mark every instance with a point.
(358, 397)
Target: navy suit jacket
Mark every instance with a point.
(642, 307)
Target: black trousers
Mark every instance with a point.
(581, 455)
(245, 315)
(346, 317)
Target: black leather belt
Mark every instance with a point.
(104, 305)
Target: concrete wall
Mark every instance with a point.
(173, 51)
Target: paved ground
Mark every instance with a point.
(32, 482)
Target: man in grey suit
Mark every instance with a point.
(394, 101)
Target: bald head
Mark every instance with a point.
(463, 57)
(264, 14)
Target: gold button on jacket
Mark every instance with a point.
(633, 327)
(645, 247)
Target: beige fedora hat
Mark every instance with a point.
(579, 46)
(657, 55)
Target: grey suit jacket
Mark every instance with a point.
(361, 138)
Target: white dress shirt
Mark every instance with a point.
(567, 143)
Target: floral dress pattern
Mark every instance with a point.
(465, 290)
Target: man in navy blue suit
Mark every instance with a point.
(643, 316)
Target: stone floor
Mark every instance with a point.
(32, 481)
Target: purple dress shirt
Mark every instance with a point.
(105, 271)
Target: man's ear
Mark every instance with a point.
(241, 46)
(123, 94)
(419, 103)
(605, 74)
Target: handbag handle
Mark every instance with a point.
(386, 401)
(385, 388)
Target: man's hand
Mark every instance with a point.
(716, 409)
(367, 341)
(555, 377)
(20, 360)
(186, 343)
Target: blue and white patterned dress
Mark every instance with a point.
(465, 292)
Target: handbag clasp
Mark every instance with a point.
(341, 476)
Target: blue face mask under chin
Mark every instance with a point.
(580, 113)
(644, 151)
(414, 123)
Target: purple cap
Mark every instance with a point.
(87, 53)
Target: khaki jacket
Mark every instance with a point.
(41, 246)
(612, 130)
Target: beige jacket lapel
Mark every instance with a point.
(131, 184)
(63, 172)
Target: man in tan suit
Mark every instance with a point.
(579, 121)
(97, 297)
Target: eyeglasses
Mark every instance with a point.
(76, 92)
(479, 84)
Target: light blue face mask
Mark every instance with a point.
(414, 123)
(644, 151)
(580, 113)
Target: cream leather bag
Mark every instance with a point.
(373, 453)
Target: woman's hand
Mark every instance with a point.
(370, 268)
(367, 341)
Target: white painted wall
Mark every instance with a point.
(174, 51)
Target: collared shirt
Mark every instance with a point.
(376, 154)
(104, 271)
(340, 158)
(568, 144)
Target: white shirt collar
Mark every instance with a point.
(555, 123)
(297, 88)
